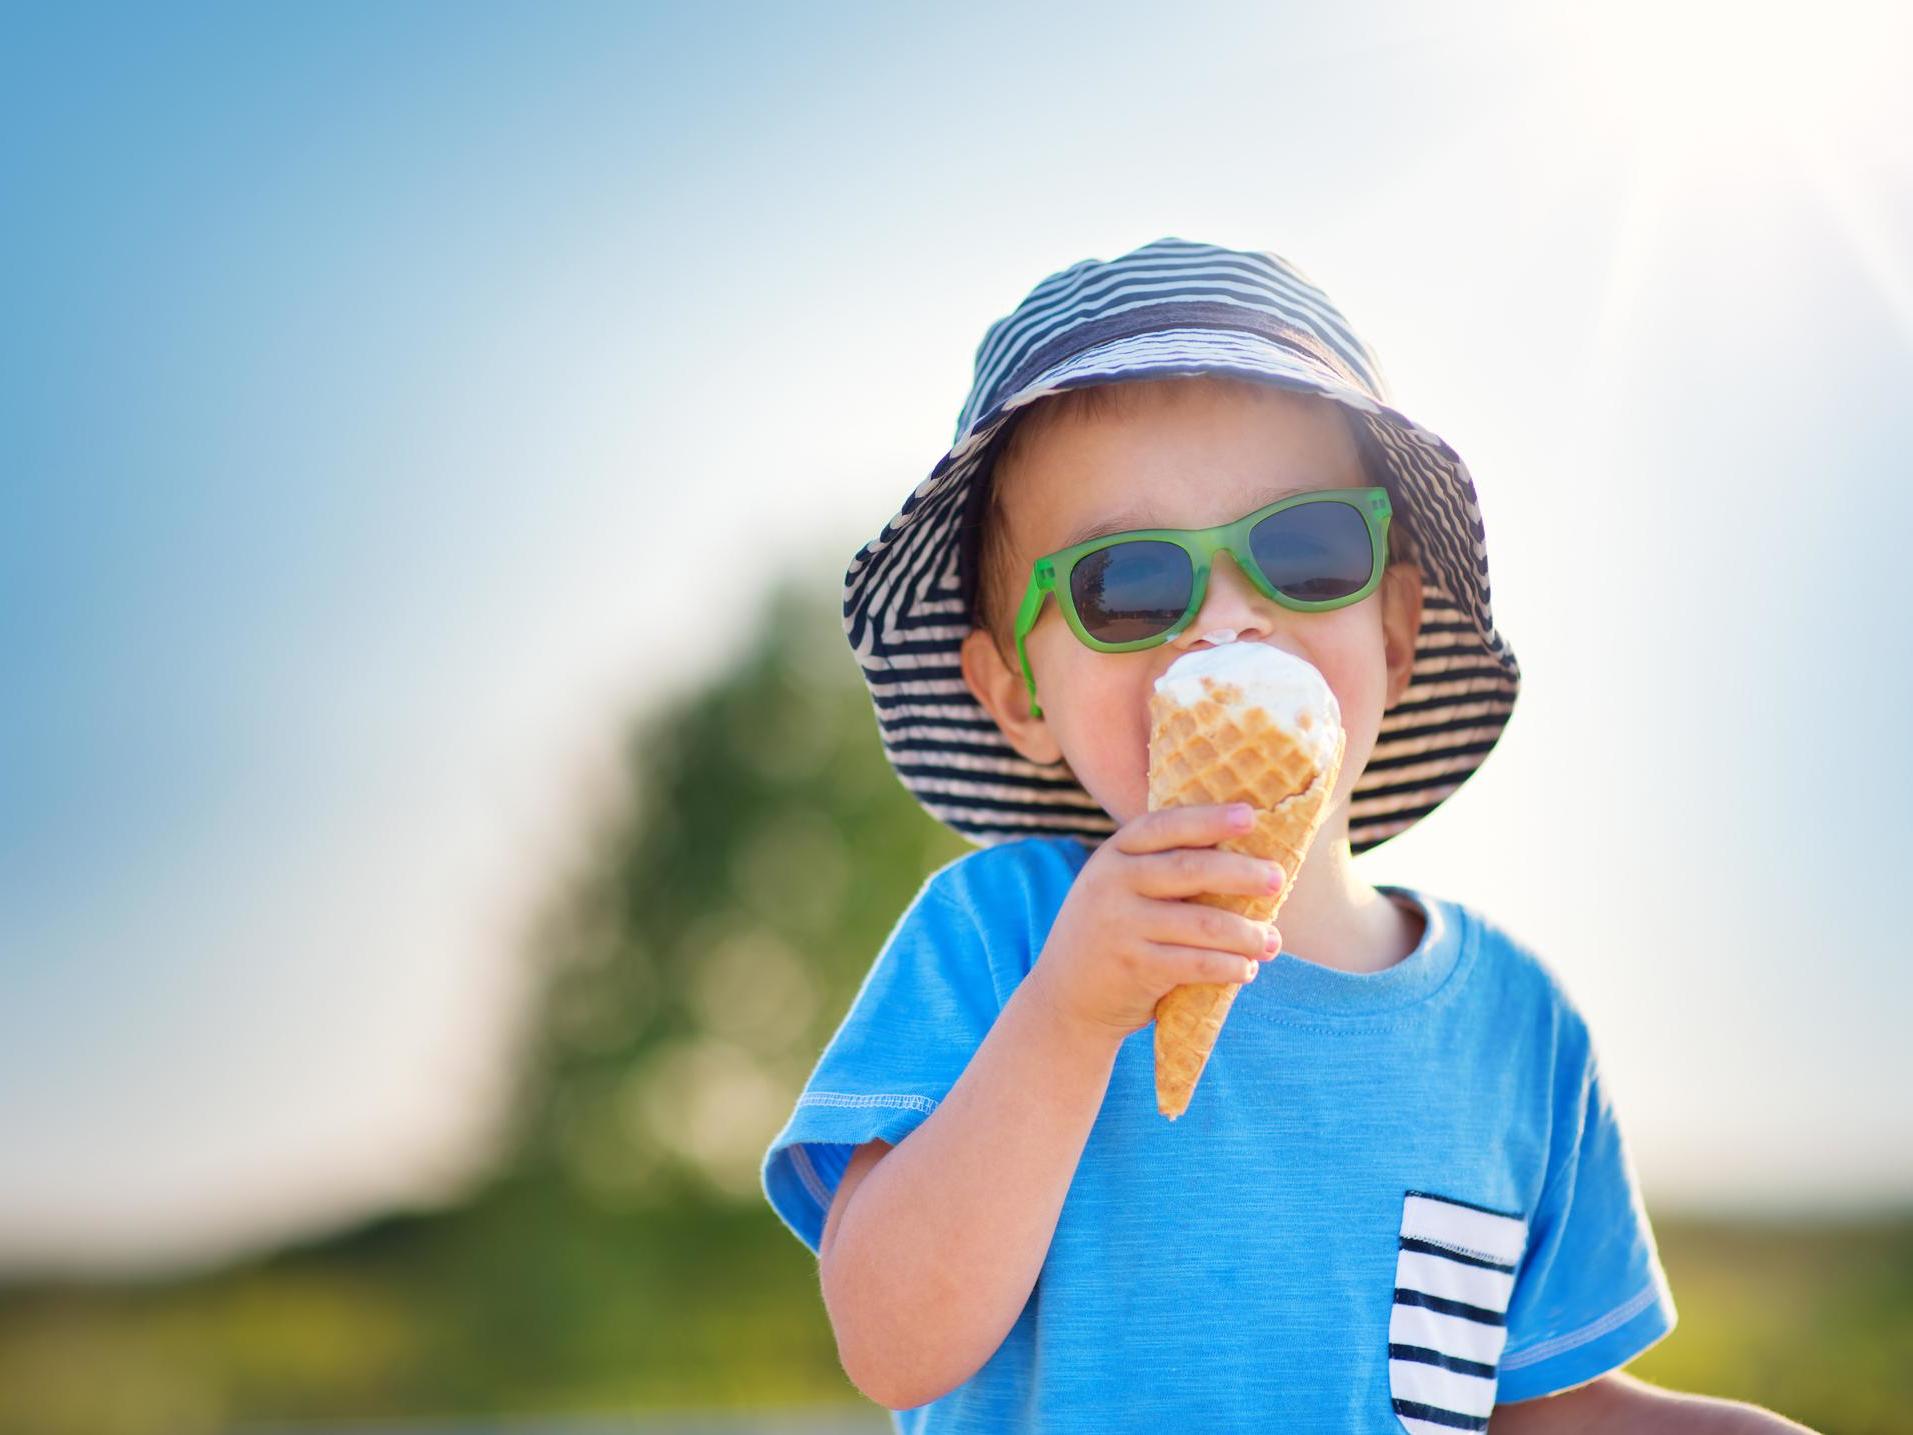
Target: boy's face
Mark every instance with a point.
(1198, 456)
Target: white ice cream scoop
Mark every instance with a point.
(1285, 686)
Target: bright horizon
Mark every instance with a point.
(368, 367)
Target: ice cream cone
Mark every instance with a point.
(1226, 747)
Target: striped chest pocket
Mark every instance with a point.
(1454, 1273)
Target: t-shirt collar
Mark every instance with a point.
(1290, 984)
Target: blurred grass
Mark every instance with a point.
(1813, 1320)
(621, 1257)
(526, 1304)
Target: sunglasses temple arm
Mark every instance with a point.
(1025, 620)
(1029, 677)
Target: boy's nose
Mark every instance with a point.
(1232, 605)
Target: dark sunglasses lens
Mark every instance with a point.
(1314, 551)
(1130, 591)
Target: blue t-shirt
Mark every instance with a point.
(1394, 1199)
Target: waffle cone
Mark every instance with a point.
(1218, 751)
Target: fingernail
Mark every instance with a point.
(1241, 815)
(1275, 879)
(1254, 967)
(1272, 942)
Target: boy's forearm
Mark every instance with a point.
(1626, 1405)
(938, 1249)
(1674, 1412)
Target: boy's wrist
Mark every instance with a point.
(1068, 1029)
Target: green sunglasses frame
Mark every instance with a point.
(1051, 573)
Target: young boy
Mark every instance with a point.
(1399, 1198)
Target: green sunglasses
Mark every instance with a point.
(1127, 591)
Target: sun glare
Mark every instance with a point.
(1703, 78)
(1783, 108)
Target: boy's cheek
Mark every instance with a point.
(1102, 728)
(1113, 754)
(1353, 660)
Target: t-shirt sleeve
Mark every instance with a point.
(1589, 1294)
(925, 1006)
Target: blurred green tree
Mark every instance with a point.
(757, 854)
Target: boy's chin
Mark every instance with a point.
(1123, 801)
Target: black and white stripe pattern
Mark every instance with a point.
(1171, 307)
(1454, 1274)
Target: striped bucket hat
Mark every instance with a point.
(1167, 309)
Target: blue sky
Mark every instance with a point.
(363, 364)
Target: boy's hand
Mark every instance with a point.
(1126, 934)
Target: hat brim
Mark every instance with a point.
(906, 613)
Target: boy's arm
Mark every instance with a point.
(1620, 1403)
(935, 1251)
(932, 1247)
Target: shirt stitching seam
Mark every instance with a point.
(1461, 1250)
(894, 1100)
(1593, 1330)
(807, 1174)
(1572, 1161)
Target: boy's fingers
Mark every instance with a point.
(1190, 871)
(1196, 964)
(1195, 924)
(1202, 824)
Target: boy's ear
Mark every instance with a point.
(1401, 624)
(1006, 698)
